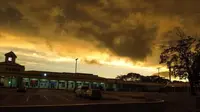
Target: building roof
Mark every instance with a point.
(61, 75)
(11, 64)
(11, 53)
(35, 71)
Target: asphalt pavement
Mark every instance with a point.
(33, 97)
(10, 97)
(36, 100)
(175, 102)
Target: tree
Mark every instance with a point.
(129, 77)
(182, 58)
(175, 81)
(146, 79)
(154, 79)
(135, 77)
(121, 77)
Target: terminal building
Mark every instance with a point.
(12, 74)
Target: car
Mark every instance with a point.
(81, 90)
(21, 89)
(93, 94)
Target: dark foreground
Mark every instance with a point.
(136, 107)
(9, 97)
(39, 100)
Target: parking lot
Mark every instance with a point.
(33, 97)
(10, 97)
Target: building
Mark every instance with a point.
(13, 74)
(10, 66)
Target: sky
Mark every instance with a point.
(109, 37)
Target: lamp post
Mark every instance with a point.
(169, 67)
(45, 74)
(158, 70)
(76, 65)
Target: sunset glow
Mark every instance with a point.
(109, 37)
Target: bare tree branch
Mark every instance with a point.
(180, 32)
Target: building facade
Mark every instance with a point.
(10, 66)
(13, 75)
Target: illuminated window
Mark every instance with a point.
(9, 58)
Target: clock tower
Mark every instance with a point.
(10, 57)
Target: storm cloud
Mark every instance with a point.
(96, 62)
(125, 28)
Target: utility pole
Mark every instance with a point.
(169, 67)
(76, 65)
(158, 70)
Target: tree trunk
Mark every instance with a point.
(192, 88)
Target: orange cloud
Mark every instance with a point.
(107, 32)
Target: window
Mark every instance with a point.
(63, 84)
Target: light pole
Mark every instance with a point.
(169, 67)
(158, 70)
(76, 65)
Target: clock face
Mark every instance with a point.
(9, 58)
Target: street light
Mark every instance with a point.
(45, 74)
(76, 65)
(158, 70)
(169, 67)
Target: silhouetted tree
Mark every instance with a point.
(175, 81)
(183, 58)
(146, 79)
(154, 79)
(122, 77)
(196, 68)
(129, 77)
(135, 77)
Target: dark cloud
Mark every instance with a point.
(10, 15)
(133, 43)
(27, 60)
(93, 61)
(175, 7)
(126, 43)
(128, 28)
(12, 19)
(21, 51)
(49, 45)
